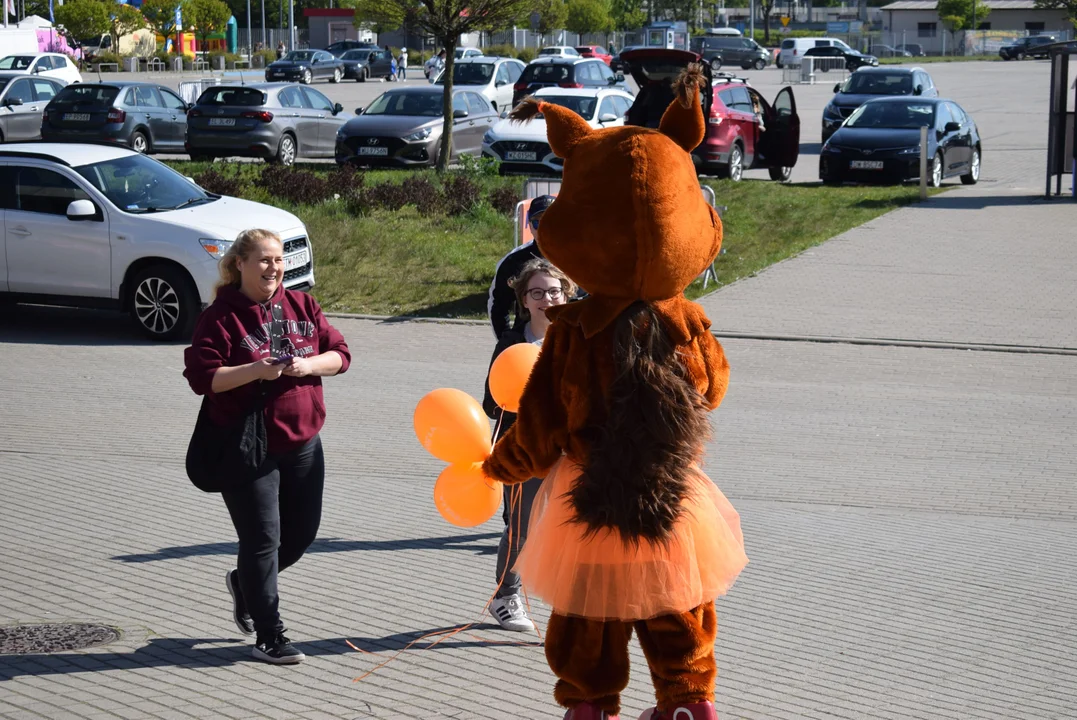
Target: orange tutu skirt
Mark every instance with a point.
(601, 578)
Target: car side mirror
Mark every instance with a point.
(918, 90)
(359, 110)
(607, 117)
(337, 109)
(504, 114)
(952, 127)
(459, 114)
(314, 61)
(500, 83)
(38, 69)
(12, 102)
(620, 76)
(837, 88)
(81, 210)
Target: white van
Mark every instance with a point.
(792, 49)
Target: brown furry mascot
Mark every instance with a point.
(627, 533)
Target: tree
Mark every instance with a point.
(82, 19)
(124, 20)
(1070, 6)
(161, 15)
(765, 7)
(957, 14)
(552, 15)
(627, 14)
(207, 17)
(446, 20)
(588, 16)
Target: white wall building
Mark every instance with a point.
(916, 21)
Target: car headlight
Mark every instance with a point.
(832, 148)
(831, 113)
(341, 134)
(914, 150)
(418, 135)
(216, 248)
(488, 138)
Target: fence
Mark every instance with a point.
(273, 36)
(523, 38)
(812, 70)
(964, 42)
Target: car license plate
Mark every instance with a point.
(222, 122)
(512, 155)
(373, 151)
(76, 117)
(298, 260)
(866, 164)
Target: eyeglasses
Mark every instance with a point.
(537, 294)
(534, 221)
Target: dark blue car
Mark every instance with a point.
(869, 83)
(306, 66)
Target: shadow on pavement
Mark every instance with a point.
(473, 305)
(184, 652)
(47, 325)
(329, 545)
(962, 201)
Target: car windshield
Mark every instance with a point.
(895, 115)
(407, 103)
(244, 97)
(87, 95)
(862, 83)
(470, 74)
(552, 73)
(582, 106)
(356, 55)
(138, 184)
(16, 62)
(300, 56)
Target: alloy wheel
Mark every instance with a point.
(138, 143)
(716, 64)
(157, 306)
(287, 150)
(307, 78)
(974, 171)
(736, 164)
(936, 171)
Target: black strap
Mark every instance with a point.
(276, 329)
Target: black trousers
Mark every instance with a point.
(276, 518)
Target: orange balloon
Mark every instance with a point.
(465, 497)
(509, 373)
(452, 426)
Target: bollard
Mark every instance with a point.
(923, 163)
(177, 64)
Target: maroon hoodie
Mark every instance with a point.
(234, 330)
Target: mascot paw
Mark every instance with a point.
(695, 711)
(587, 711)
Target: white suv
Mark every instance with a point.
(54, 65)
(101, 226)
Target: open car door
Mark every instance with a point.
(783, 131)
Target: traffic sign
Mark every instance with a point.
(785, 21)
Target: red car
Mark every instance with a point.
(744, 131)
(595, 51)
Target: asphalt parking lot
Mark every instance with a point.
(1007, 101)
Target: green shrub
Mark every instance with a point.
(268, 56)
(107, 57)
(526, 54)
(501, 51)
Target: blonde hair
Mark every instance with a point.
(241, 248)
(533, 267)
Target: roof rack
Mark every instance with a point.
(720, 77)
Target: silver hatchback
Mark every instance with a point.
(276, 122)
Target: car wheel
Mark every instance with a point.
(336, 76)
(778, 64)
(139, 143)
(936, 171)
(780, 174)
(716, 64)
(734, 169)
(307, 78)
(286, 152)
(760, 64)
(164, 303)
(362, 75)
(1020, 56)
(973, 175)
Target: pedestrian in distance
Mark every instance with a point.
(259, 345)
(402, 64)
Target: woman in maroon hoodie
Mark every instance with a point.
(230, 362)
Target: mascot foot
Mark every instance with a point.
(695, 711)
(587, 711)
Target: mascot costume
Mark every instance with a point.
(627, 533)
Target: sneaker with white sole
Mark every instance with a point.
(239, 608)
(278, 650)
(510, 614)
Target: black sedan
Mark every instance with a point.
(360, 65)
(833, 57)
(880, 143)
(306, 66)
(869, 83)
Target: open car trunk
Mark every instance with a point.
(654, 70)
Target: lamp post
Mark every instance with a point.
(265, 40)
(291, 24)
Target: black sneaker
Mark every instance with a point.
(277, 650)
(239, 608)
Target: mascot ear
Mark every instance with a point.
(683, 120)
(564, 128)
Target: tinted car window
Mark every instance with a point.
(147, 97)
(45, 191)
(292, 98)
(16, 62)
(862, 83)
(21, 90)
(788, 44)
(87, 95)
(582, 106)
(317, 100)
(742, 101)
(900, 115)
(356, 55)
(552, 73)
(300, 56)
(243, 97)
(44, 90)
(459, 102)
(399, 103)
(604, 72)
(171, 101)
(470, 74)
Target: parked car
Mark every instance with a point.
(146, 117)
(22, 105)
(880, 142)
(914, 49)
(718, 50)
(566, 72)
(594, 51)
(744, 131)
(1035, 47)
(522, 147)
(868, 83)
(337, 49)
(100, 226)
(888, 51)
(558, 51)
(51, 65)
(306, 66)
(403, 126)
(793, 49)
(491, 76)
(619, 65)
(361, 65)
(470, 52)
(834, 57)
(276, 122)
